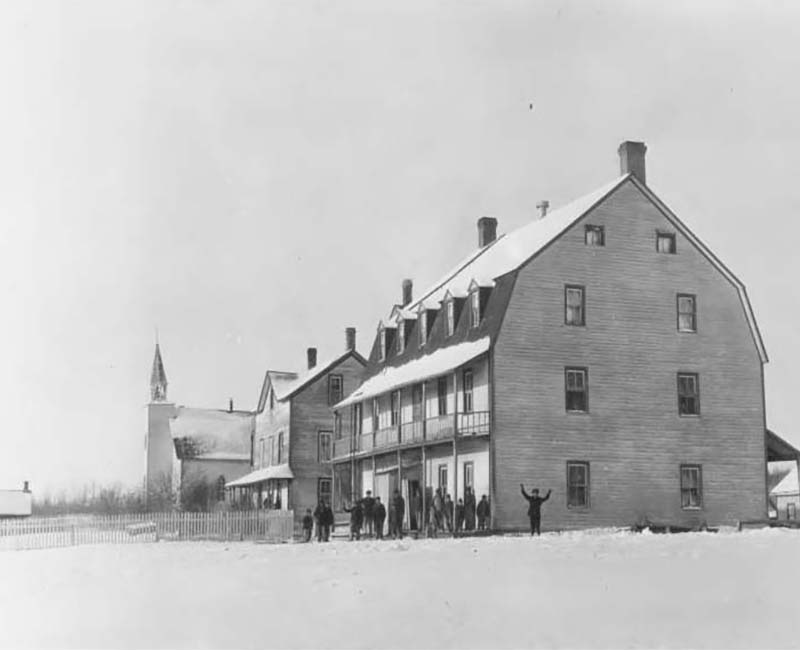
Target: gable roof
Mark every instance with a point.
(211, 434)
(288, 384)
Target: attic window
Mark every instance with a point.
(665, 242)
(423, 327)
(595, 235)
(382, 343)
(450, 308)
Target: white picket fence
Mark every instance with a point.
(48, 532)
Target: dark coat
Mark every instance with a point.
(534, 503)
(356, 515)
(399, 505)
(323, 515)
(308, 522)
(368, 505)
(379, 512)
(484, 510)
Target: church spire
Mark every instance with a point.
(158, 379)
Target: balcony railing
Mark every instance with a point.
(342, 447)
(411, 432)
(386, 437)
(477, 423)
(365, 442)
(439, 428)
(473, 424)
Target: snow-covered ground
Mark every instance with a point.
(726, 590)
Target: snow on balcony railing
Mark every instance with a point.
(386, 437)
(365, 442)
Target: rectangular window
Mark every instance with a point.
(271, 454)
(577, 389)
(451, 317)
(595, 235)
(281, 449)
(422, 319)
(337, 425)
(443, 478)
(358, 419)
(577, 484)
(574, 305)
(665, 242)
(382, 344)
(324, 450)
(688, 393)
(469, 475)
(376, 414)
(467, 389)
(687, 312)
(691, 487)
(395, 419)
(335, 389)
(416, 403)
(262, 453)
(475, 307)
(324, 491)
(441, 395)
(401, 336)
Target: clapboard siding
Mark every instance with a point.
(311, 414)
(633, 436)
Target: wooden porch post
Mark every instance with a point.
(492, 506)
(422, 527)
(455, 449)
(424, 523)
(400, 484)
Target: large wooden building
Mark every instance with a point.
(601, 351)
(292, 444)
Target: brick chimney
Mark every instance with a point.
(631, 159)
(25, 487)
(408, 292)
(487, 231)
(311, 354)
(350, 338)
(542, 207)
(230, 405)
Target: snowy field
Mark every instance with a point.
(726, 590)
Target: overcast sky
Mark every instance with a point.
(253, 177)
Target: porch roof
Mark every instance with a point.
(263, 474)
(437, 363)
(779, 449)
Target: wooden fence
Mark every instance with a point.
(48, 532)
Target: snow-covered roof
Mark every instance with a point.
(199, 432)
(788, 484)
(436, 363)
(509, 251)
(222, 455)
(263, 474)
(287, 389)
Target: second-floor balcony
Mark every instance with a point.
(434, 429)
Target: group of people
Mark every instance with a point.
(370, 515)
(456, 517)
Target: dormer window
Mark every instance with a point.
(422, 319)
(401, 336)
(475, 307)
(382, 343)
(385, 339)
(450, 308)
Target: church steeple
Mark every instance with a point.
(158, 379)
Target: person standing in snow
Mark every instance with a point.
(324, 518)
(318, 516)
(399, 507)
(380, 516)
(438, 510)
(534, 507)
(448, 512)
(469, 509)
(484, 512)
(459, 515)
(368, 506)
(308, 525)
(356, 519)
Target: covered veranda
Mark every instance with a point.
(264, 488)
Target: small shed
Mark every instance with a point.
(16, 503)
